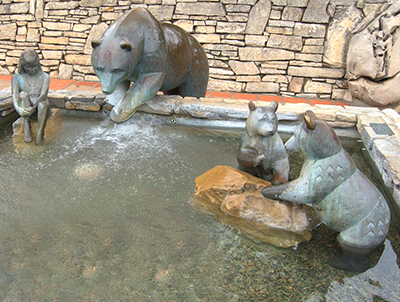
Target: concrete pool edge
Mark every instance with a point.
(348, 121)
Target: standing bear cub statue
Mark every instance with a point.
(262, 152)
(342, 197)
(154, 56)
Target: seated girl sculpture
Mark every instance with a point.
(29, 92)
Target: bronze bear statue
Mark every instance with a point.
(154, 56)
(342, 197)
(262, 152)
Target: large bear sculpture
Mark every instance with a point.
(154, 56)
(342, 197)
(262, 152)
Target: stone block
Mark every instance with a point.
(110, 16)
(228, 191)
(52, 55)
(316, 12)
(81, 27)
(85, 106)
(255, 40)
(200, 8)
(285, 42)
(91, 20)
(185, 24)
(8, 32)
(57, 26)
(279, 54)
(237, 8)
(308, 57)
(314, 49)
(56, 99)
(262, 87)
(275, 14)
(62, 5)
(309, 30)
(162, 12)
(221, 85)
(208, 38)
(52, 40)
(317, 87)
(78, 59)
(279, 30)
(278, 23)
(244, 68)
(229, 27)
(297, 3)
(292, 13)
(91, 3)
(258, 17)
(252, 54)
(315, 72)
(296, 85)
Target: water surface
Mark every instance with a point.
(103, 213)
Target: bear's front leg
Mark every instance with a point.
(118, 93)
(143, 90)
(296, 191)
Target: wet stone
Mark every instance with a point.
(235, 198)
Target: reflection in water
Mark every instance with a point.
(102, 213)
(380, 281)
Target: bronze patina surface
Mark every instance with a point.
(29, 92)
(154, 56)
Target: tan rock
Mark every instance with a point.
(309, 30)
(185, 24)
(316, 72)
(338, 36)
(235, 198)
(52, 40)
(200, 8)
(285, 42)
(208, 38)
(244, 68)
(317, 87)
(65, 71)
(162, 13)
(8, 31)
(57, 26)
(258, 17)
(262, 87)
(220, 85)
(296, 85)
(53, 125)
(85, 106)
(78, 59)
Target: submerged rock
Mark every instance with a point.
(235, 198)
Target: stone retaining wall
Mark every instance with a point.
(288, 47)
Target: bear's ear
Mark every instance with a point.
(126, 45)
(96, 43)
(309, 118)
(252, 107)
(275, 105)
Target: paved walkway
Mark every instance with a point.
(74, 85)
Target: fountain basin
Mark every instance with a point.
(104, 214)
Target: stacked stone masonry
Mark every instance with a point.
(257, 46)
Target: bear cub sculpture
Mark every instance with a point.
(262, 152)
(154, 56)
(342, 197)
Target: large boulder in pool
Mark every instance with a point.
(235, 198)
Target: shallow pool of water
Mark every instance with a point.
(103, 213)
